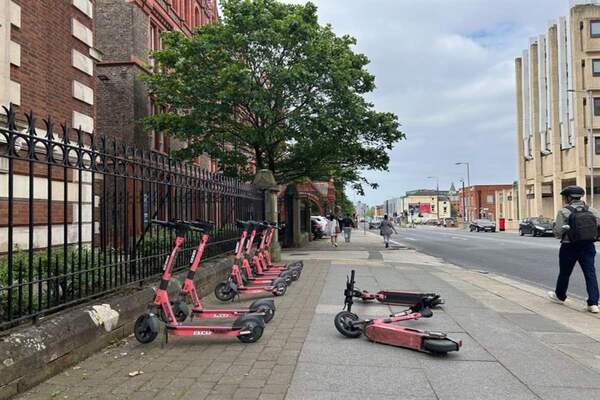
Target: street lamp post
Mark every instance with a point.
(437, 195)
(463, 201)
(468, 182)
(590, 138)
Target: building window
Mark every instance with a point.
(595, 28)
(197, 21)
(596, 67)
(597, 106)
(597, 144)
(490, 198)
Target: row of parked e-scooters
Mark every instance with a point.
(252, 272)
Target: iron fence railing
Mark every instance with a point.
(75, 212)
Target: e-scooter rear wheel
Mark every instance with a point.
(145, 328)
(343, 324)
(180, 309)
(255, 330)
(439, 346)
(223, 292)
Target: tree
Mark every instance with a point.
(270, 85)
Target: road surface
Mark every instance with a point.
(530, 259)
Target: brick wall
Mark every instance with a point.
(46, 73)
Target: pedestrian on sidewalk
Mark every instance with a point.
(347, 225)
(386, 229)
(576, 226)
(332, 229)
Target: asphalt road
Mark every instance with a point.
(530, 259)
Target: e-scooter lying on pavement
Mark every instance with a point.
(383, 330)
(266, 307)
(393, 297)
(247, 328)
(234, 284)
(252, 276)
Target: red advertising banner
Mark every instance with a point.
(425, 208)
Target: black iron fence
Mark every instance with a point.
(75, 212)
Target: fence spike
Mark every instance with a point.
(49, 128)
(30, 123)
(11, 117)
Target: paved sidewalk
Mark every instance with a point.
(516, 344)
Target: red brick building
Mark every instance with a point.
(479, 201)
(127, 31)
(47, 59)
(47, 66)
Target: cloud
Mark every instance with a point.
(446, 68)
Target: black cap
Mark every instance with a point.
(573, 191)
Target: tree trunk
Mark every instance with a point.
(259, 158)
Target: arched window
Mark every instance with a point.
(197, 20)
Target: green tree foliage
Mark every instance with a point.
(270, 84)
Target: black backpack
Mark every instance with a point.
(583, 223)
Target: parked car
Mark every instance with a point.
(484, 225)
(374, 223)
(536, 226)
(315, 229)
(449, 222)
(322, 221)
(432, 222)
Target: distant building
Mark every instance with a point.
(507, 207)
(394, 206)
(480, 201)
(424, 203)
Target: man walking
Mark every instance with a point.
(577, 228)
(347, 225)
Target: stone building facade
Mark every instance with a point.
(555, 76)
(127, 31)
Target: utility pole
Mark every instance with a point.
(463, 201)
(468, 180)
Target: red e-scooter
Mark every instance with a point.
(383, 330)
(394, 297)
(268, 264)
(234, 284)
(259, 261)
(247, 328)
(255, 274)
(264, 307)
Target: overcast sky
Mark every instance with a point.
(446, 68)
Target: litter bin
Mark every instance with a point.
(502, 224)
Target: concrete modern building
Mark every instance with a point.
(393, 206)
(127, 31)
(556, 76)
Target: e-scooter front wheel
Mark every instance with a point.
(268, 312)
(146, 328)
(343, 323)
(224, 292)
(439, 346)
(280, 287)
(252, 331)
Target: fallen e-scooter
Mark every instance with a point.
(383, 330)
(393, 297)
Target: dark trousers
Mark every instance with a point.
(569, 255)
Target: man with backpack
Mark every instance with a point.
(576, 226)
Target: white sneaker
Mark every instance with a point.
(552, 296)
(593, 309)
